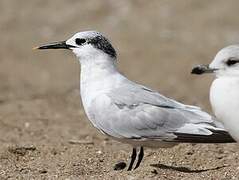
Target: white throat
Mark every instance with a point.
(99, 74)
(96, 68)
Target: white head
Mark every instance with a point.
(225, 63)
(87, 45)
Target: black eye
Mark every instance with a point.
(80, 41)
(231, 62)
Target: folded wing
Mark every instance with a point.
(138, 112)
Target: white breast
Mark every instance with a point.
(224, 98)
(97, 80)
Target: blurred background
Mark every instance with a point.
(158, 43)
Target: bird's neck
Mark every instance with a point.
(96, 69)
(98, 76)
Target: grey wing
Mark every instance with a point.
(138, 112)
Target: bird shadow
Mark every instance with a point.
(184, 169)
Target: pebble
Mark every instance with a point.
(119, 166)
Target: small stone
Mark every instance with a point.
(80, 142)
(189, 153)
(21, 150)
(27, 124)
(119, 166)
(43, 171)
(99, 152)
(154, 171)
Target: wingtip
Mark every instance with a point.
(217, 136)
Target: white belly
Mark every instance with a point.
(224, 98)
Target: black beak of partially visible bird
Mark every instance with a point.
(202, 69)
(55, 45)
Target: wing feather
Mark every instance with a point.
(138, 112)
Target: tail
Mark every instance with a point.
(217, 136)
(204, 128)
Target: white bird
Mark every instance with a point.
(129, 112)
(224, 91)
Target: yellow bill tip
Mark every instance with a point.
(35, 48)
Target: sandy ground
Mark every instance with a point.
(44, 133)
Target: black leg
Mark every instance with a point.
(140, 157)
(133, 157)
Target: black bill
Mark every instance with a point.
(201, 69)
(55, 45)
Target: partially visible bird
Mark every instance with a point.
(224, 92)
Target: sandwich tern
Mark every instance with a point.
(224, 91)
(129, 112)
